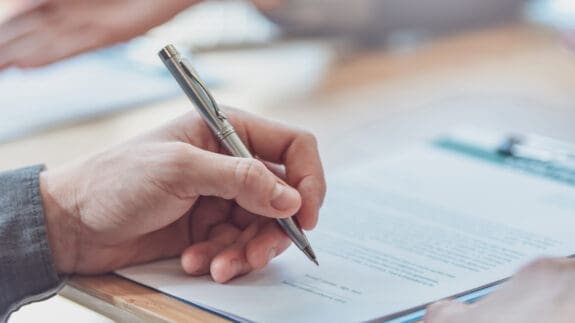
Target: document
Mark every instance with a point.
(395, 234)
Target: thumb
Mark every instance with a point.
(253, 186)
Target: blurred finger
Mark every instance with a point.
(21, 24)
(196, 259)
(61, 45)
(445, 312)
(232, 261)
(270, 242)
(18, 50)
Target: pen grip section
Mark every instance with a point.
(234, 145)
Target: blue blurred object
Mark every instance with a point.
(558, 13)
(83, 87)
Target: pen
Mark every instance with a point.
(198, 93)
(520, 147)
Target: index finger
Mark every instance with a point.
(294, 148)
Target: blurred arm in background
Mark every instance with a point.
(45, 31)
(41, 32)
(542, 291)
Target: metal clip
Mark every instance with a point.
(191, 73)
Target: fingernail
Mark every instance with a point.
(284, 197)
(271, 254)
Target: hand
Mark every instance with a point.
(173, 192)
(543, 291)
(45, 31)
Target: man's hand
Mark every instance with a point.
(543, 291)
(41, 32)
(174, 192)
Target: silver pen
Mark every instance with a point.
(198, 93)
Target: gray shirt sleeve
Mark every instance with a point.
(27, 271)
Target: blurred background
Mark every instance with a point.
(382, 73)
(232, 42)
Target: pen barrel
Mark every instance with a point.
(191, 86)
(233, 144)
(198, 93)
(294, 232)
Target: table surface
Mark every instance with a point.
(511, 78)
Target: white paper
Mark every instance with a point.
(395, 234)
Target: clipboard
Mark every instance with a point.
(531, 153)
(409, 201)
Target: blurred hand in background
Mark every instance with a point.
(543, 291)
(41, 32)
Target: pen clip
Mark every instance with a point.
(195, 80)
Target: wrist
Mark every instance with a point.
(58, 200)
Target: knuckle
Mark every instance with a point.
(247, 171)
(178, 155)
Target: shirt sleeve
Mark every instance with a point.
(27, 272)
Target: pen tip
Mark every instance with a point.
(310, 254)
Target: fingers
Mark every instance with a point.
(196, 259)
(255, 248)
(445, 312)
(23, 50)
(207, 213)
(232, 261)
(26, 34)
(79, 40)
(287, 151)
(270, 242)
(46, 33)
(19, 26)
(230, 252)
(295, 149)
(248, 181)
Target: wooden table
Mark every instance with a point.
(516, 78)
